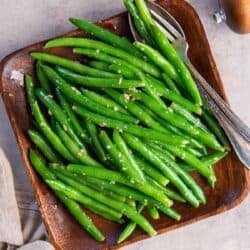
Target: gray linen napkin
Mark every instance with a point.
(10, 224)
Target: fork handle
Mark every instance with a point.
(217, 104)
(239, 143)
(236, 130)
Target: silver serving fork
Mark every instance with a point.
(236, 130)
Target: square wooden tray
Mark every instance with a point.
(233, 180)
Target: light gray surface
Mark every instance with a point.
(27, 21)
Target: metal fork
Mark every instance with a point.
(236, 130)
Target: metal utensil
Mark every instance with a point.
(236, 130)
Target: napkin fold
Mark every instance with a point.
(10, 224)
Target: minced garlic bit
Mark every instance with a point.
(82, 152)
(120, 80)
(126, 96)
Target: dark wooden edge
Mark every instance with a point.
(221, 209)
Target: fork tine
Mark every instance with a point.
(166, 24)
(170, 37)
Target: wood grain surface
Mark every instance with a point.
(64, 232)
(238, 14)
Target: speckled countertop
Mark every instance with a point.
(25, 22)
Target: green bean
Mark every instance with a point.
(99, 55)
(137, 145)
(133, 108)
(119, 189)
(150, 90)
(84, 187)
(54, 165)
(98, 82)
(115, 68)
(76, 95)
(73, 194)
(43, 80)
(192, 142)
(170, 213)
(168, 95)
(144, 13)
(186, 167)
(29, 85)
(110, 194)
(130, 227)
(169, 51)
(72, 117)
(130, 128)
(140, 27)
(170, 84)
(116, 205)
(79, 153)
(105, 213)
(158, 60)
(105, 101)
(171, 54)
(122, 70)
(43, 146)
(215, 128)
(134, 194)
(208, 160)
(172, 129)
(57, 112)
(193, 161)
(102, 56)
(46, 174)
(110, 59)
(174, 195)
(130, 202)
(194, 151)
(187, 179)
(153, 212)
(72, 65)
(72, 206)
(151, 171)
(168, 191)
(106, 36)
(39, 166)
(95, 141)
(121, 160)
(79, 43)
(180, 110)
(213, 158)
(96, 207)
(135, 171)
(156, 81)
(122, 190)
(158, 147)
(172, 96)
(35, 125)
(114, 176)
(99, 65)
(61, 172)
(178, 121)
(81, 217)
(43, 124)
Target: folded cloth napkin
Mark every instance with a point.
(10, 224)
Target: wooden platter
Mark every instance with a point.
(233, 179)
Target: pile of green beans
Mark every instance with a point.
(111, 134)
